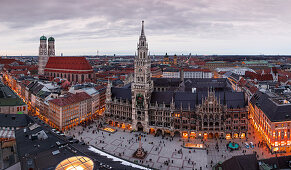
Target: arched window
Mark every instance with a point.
(82, 77)
(205, 116)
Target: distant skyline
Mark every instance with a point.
(172, 26)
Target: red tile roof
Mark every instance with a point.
(242, 82)
(70, 99)
(68, 65)
(253, 89)
(19, 72)
(9, 61)
(25, 82)
(259, 77)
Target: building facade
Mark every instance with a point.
(97, 93)
(270, 116)
(70, 110)
(179, 110)
(171, 73)
(197, 73)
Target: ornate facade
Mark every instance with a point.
(185, 108)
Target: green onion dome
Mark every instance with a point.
(51, 39)
(43, 38)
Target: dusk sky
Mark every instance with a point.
(172, 26)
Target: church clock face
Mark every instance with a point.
(139, 100)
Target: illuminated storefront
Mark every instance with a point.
(228, 136)
(185, 134)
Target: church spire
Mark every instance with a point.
(142, 35)
(142, 28)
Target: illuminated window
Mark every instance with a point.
(276, 149)
(185, 134)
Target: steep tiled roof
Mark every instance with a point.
(231, 99)
(275, 112)
(122, 93)
(70, 99)
(259, 77)
(68, 64)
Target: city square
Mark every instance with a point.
(165, 152)
(148, 84)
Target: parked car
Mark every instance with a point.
(247, 145)
(252, 145)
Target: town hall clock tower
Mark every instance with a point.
(142, 86)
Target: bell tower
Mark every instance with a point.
(51, 46)
(142, 86)
(43, 55)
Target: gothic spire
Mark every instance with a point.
(142, 35)
(142, 28)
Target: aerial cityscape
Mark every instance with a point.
(99, 99)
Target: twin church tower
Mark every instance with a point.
(46, 50)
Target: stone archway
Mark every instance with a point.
(167, 132)
(177, 134)
(159, 132)
(110, 122)
(139, 126)
(116, 124)
(216, 135)
(210, 135)
(152, 131)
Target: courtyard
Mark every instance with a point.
(166, 152)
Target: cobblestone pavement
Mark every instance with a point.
(124, 144)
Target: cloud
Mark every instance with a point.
(187, 20)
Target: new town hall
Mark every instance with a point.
(195, 108)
